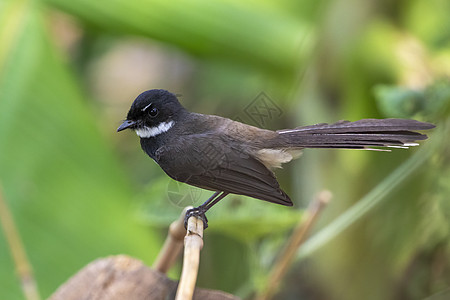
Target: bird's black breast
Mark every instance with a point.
(151, 145)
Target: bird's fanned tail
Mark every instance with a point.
(362, 134)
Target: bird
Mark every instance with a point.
(230, 157)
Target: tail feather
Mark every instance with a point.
(361, 134)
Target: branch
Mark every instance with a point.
(193, 243)
(172, 245)
(297, 238)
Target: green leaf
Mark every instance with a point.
(227, 30)
(432, 102)
(399, 102)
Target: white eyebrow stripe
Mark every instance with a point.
(148, 132)
(146, 107)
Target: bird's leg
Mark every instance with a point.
(200, 211)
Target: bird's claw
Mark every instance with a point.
(197, 212)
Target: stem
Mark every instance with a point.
(23, 267)
(297, 238)
(172, 245)
(193, 243)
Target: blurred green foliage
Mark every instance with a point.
(78, 191)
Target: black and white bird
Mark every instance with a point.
(229, 157)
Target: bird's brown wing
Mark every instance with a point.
(215, 163)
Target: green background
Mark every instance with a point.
(69, 71)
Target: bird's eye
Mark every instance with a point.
(153, 112)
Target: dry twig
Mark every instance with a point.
(193, 243)
(15, 244)
(172, 245)
(297, 238)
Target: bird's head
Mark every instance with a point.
(153, 112)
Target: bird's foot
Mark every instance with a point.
(198, 212)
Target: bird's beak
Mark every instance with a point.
(126, 124)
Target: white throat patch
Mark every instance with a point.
(148, 132)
